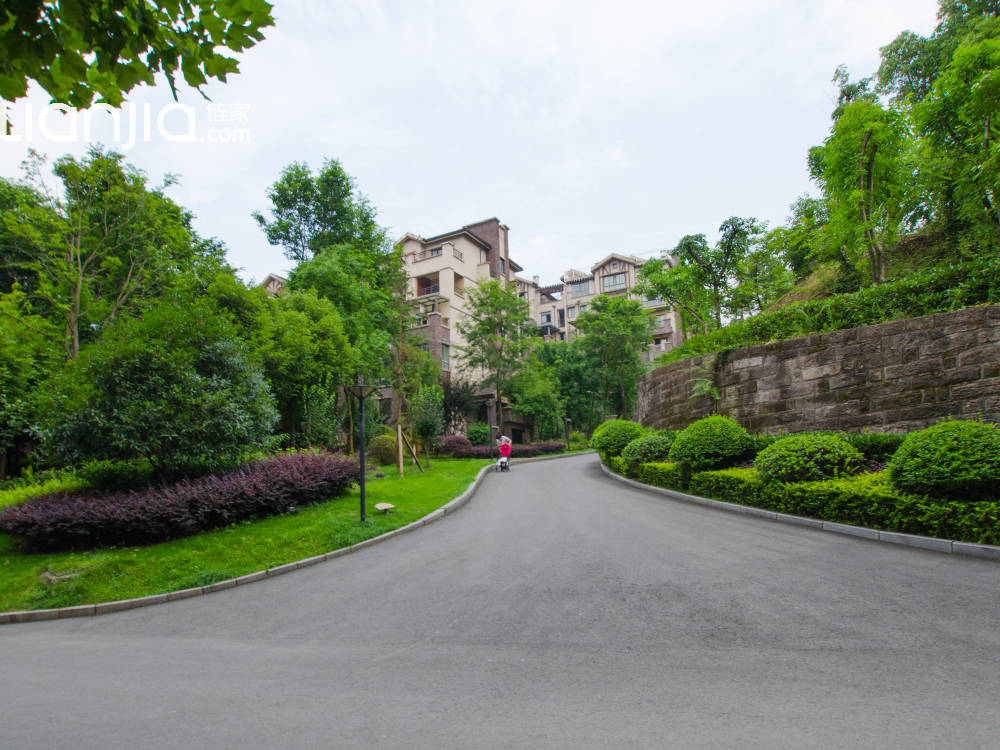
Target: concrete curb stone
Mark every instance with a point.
(88, 610)
(984, 551)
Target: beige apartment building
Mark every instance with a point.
(555, 307)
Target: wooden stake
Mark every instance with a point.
(413, 453)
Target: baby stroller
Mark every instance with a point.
(503, 463)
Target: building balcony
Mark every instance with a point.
(425, 290)
(652, 302)
(458, 253)
(459, 292)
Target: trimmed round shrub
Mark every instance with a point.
(614, 435)
(808, 458)
(382, 449)
(957, 460)
(478, 433)
(710, 443)
(648, 448)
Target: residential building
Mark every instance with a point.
(555, 307)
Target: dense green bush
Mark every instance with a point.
(614, 435)
(710, 443)
(956, 460)
(382, 449)
(478, 433)
(176, 386)
(875, 446)
(117, 476)
(660, 475)
(941, 289)
(866, 500)
(808, 458)
(648, 448)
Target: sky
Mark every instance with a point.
(587, 127)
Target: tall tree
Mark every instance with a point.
(865, 171)
(617, 330)
(682, 285)
(459, 400)
(84, 257)
(497, 339)
(313, 212)
(79, 50)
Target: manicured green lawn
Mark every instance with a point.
(42, 581)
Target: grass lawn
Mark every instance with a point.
(65, 579)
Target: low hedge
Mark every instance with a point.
(867, 500)
(710, 443)
(86, 519)
(612, 437)
(653, 446)
(957, 460)
(464, 449)
(808, 458)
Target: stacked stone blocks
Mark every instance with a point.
(892, 377)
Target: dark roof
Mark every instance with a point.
(551, 288)
(460, 232)
(515, 266)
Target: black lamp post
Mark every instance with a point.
(362, 392)
(489, 421)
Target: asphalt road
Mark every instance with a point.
(558, 609)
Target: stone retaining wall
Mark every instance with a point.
(892, 377)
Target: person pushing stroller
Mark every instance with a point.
(503, 463)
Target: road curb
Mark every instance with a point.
(984, 551)
(92, 610)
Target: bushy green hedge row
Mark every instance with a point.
(866, 500)
(939, 290)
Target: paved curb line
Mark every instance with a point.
(88, 610)
(985, 551)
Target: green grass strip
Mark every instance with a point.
(43, 581)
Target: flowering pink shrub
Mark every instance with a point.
(84, 519)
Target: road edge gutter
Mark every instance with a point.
(90, 610)
(982, 551)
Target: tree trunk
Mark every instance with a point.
(3, 464)
(427, 453)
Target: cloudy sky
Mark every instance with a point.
(587, 127)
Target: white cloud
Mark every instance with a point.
(587, 127)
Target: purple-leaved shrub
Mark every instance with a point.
(85, 519)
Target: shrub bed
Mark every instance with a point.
(80, 520)
(654, 446)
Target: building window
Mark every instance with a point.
(614, 282)
(579, 288)
(614, 266)
(424, 347)
(502, 272)
(546, 317)
(583, 308)
(661, 343)
(436, 251)
(659, 320)
(572, 313)
(562, 318)
(521, 295)
(445, 356)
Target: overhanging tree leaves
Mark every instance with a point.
(82, 49)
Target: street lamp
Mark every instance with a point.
(489, 421)
(362, 392)
(568, 420)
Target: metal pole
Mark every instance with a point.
(362, 460)
(489, 421)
